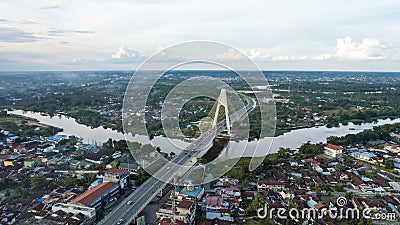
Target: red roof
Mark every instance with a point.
(312, 161)
(2, 156)
(214, 201)
(115, 171)
(334, 147)
(94, 193)
(185, 204)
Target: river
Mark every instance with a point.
(292, 139)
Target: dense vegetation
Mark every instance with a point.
(377, 133)
(311, 98)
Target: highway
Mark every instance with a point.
(148, 190)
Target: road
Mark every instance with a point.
(149, 189)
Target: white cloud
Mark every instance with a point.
(369, 48)
(346, 50)
(260, 55)
(289, 58)
(126, 55)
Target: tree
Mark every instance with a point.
(6, 183)
(67, 181)
(299, 180)
(310, 149)
(109, 144)
(321, 187)
(340, 167)
(38, 182)
(141, 177)
(257, 203)
(282, 153)
(339, 187)
(389, 164)
(114, 164)
(370, 174)
(99, 215)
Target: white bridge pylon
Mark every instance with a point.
(223, 101)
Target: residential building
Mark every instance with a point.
(89, 213)
(265, 185)
(333, 150)
(118, 176)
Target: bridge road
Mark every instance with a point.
(149, 189)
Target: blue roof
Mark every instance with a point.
(364, 154)
(97, 182)
(57, 138)
(195, 193)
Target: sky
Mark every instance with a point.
(356, 35)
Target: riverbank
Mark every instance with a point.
(292, 139)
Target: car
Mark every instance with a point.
(130, 202)
(120, 221)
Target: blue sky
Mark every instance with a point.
(277, 35)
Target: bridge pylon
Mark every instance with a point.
(223, 101)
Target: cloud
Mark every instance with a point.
(82, 61)
(289, 58)
(346, 50)
(369, 48)
(56, 32)
(50, 7)
(84, 32)
(16, 36)
(126, 55)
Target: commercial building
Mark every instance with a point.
(98, 195)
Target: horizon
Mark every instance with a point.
(125, 70)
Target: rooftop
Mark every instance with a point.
(194, 193)
(94, 193)
(334, 147)
(115, 171)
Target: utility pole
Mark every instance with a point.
(173, 220)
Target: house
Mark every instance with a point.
(248, 195)
(98, 157)
(185, 211)
(264, 185)
(29, 163)
(8, 163)
(365, 156)
(115, 175)
(213, 204)
(132, 167)
(89, 213)
(333, 150)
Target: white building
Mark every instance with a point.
(333, 150)
(118, 176)
(88, 212)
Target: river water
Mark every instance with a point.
(292, 139)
